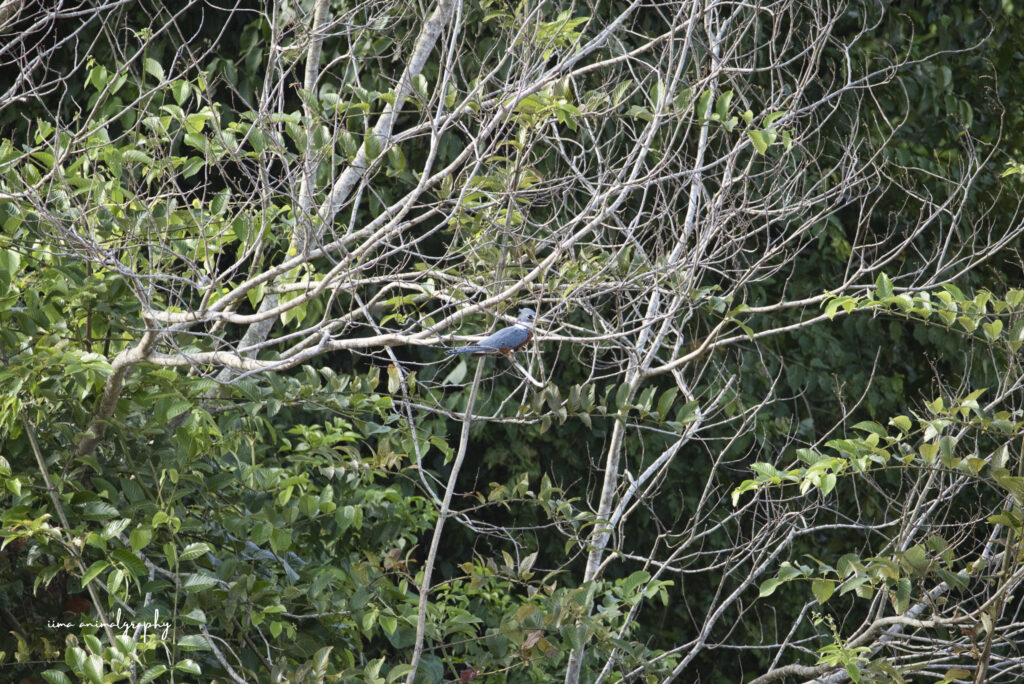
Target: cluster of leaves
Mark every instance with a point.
(274, 508)
(948, 441)
(195, 530)
(291, 508)
(959, 440)
(983, 314)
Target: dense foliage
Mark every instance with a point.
(768, 428)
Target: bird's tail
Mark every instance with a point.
(464, 350)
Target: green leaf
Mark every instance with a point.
(722, 105)
(458, 374)
(220, 202)
(280, 539)
(193, 166)
(56, 677)
(643, 113)
(657, 92)
(92, 668)
(193, 642)
(152, 674)
(1012, 484)
(704, 105)
(645, 400)
(902, 423)
(180, 90)
(883, 286)
(94, 570)
(195, 123)
(154, 69)
(196, 616)
(756, 137)
(74, 657)
(132, 563)
(901, 597)
(929, 452)
(872, 427)
(769, 586)
(1009, 518)
(666, 401)
(744, 487)
(194, 551)
(98, 77)
(197, 582)
(993, 329)
(321, 659)
(396, 160)
(140, 537)
(631, 583)
(398, 672)
(9, 262)
(372, 146)
(622, 396)
(852, 584)
(420, 85)
(823, 589)
(620, 92)
(916, 559)
(189, 666)
(99, 510)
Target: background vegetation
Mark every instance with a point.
(770, 426)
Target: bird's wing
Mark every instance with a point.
(494, 340)
(512, 337)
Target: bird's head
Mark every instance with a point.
(526, 316)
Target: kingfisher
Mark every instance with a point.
(505, 340)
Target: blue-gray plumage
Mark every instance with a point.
(505, 340)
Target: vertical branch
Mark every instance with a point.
(603, 530)
(442, 515)
(52, 490)
(310, 158)
(259, 331)
(382, 130)
(304, 236)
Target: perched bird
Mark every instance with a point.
(505, 340)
